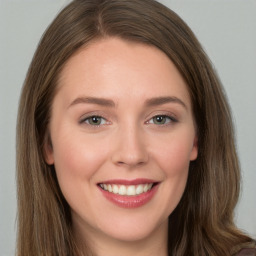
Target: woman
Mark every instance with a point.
(124, 139)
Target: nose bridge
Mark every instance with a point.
(130, 148)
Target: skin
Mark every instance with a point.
(127, 144)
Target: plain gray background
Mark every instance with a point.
(227, 31)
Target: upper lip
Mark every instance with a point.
(128, 182)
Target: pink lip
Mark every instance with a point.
(129, 201)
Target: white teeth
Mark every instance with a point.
(115, 189)
(139, 189)
(145, 189)
(131, 190)
(109, 188)
(122, 190)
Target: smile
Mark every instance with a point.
(129, 194)
(127, 190)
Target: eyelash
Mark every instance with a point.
(86, 120)
(170, 118)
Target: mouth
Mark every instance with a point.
(127, 190)
(129, 194)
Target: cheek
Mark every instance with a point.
(175, 162)
(173, 155)
(76, 161)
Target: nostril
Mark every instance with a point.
(130, 163)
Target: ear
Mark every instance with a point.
(48, 150)
(194, 151)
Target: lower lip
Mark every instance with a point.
(130, 201)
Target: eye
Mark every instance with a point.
(161, 120)
(94, 120)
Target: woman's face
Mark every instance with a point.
(123, 135)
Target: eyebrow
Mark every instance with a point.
(164, 100)
(110, 103)
(93, 100)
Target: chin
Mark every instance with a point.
(132, 230)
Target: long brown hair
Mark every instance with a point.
(202, 224)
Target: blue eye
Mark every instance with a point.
(161, 120)
(94, 120)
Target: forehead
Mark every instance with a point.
(114, 68)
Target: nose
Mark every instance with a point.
(130, 148)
